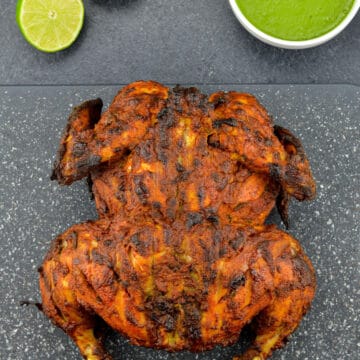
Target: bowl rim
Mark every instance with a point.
(293, 44)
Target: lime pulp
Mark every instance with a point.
(50, 25)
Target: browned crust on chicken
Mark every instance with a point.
(82, 118)
(180, 258)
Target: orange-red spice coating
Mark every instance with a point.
(180, 257)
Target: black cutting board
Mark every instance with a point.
(33, 210)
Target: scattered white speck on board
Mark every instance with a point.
(34, 210)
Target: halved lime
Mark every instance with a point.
(50, 25)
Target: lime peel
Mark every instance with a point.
(50, 25)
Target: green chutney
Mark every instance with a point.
(295, 19)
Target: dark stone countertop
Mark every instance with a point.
(187, 42)
(172, 41)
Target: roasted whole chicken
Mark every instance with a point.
(180, 257)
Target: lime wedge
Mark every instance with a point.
(50, 25)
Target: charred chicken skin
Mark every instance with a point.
(180, 257)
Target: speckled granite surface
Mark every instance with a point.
(171, 40)
(33, 210)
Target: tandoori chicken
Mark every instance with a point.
(180, 257)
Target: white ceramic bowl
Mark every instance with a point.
(289, 44)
